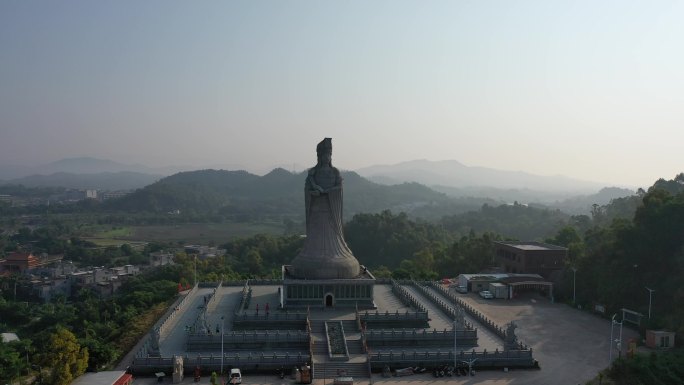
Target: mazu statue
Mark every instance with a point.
(325, 254)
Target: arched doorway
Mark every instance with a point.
(328, 300)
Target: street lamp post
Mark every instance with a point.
(650, 296)
(195, 269)
(455, 344)
(617, 341)
(223, 322)
(574, 275)
(470, 364)
(610, 349)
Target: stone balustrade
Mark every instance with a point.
(247, 362)
(483, 359)
(272, 321)
(474, 313)
(249, 340)
(449, 309)
(245, 299)
(396, 320)
(417, 338)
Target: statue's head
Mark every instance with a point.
(324, 151)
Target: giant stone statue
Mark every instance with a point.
(325, 254)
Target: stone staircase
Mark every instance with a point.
(323, 367)
(340, 369)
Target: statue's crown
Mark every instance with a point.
(324, 146)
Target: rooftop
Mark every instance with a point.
(100, 378)
(8, 337)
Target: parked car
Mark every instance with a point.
(486, 294)
(461, 289)
(235, 376)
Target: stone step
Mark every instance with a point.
(337, 369)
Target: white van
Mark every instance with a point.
(235, 376)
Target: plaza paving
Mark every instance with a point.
(570, 345)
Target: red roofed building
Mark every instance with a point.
(19, 262)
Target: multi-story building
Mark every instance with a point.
(530, 257)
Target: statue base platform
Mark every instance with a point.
(356, 292)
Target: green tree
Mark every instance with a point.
(11, 363)
(65, 356)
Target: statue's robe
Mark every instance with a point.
(325, 254)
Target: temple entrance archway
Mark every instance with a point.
(329, 301)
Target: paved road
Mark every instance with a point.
(440, 321)
(385, 300)
(572, 346)
(486, 338)
(227, 298)
(174, 341)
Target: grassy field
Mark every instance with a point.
(201, 233)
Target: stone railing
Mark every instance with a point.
(213, 301)
(337, 344)
(272, 321)
(246, 298)
(247, 362)
(178, 308)
(448, 309)
(406, 297)
(249, 340)
(484, 359)
(256, 282)
(425, 338)
(474, 313)
(395, 320)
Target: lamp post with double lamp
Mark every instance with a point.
(650, 296)
(223, 322)
(455, 366)
(618, 341)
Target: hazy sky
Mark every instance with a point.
(588, 89)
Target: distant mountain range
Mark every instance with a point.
(453, 174)
(450, 178)
(122, 180)
(84, 165)
(276, 194)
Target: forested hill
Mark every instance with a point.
(279, 192)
